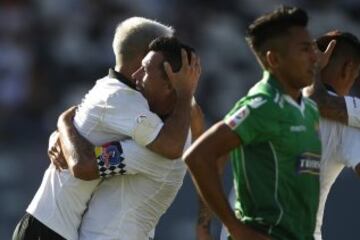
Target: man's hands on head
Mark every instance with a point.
(324, 57)
(186, 79)
(171, 139)
(331, 107)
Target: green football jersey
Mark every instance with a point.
(276, 168)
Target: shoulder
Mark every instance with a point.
(310, 103)
(112, 95)
(127, 96)
(109, 86)
(118, 94)
(311, 107)
(267, 93)
(259, 104)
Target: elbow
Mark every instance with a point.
(196, 161)
(84, 171)
(191, 160)
(173, 155)
(169, 150)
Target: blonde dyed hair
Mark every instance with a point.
(133, 35)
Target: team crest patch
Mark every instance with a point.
(308, 163)
(238, 117)
(110, 159)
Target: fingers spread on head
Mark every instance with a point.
(198, 65)
(184, 58)
(168, 69)
(330, 47)
(193, 59)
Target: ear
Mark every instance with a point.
(272, 59)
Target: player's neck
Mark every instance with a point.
(293, 92)
(126, 72)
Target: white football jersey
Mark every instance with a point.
(110, 111)
(340, 148)
(129, 207)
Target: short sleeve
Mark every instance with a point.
(353, 111)
(253, 119)
(128, 113)
(349, 147)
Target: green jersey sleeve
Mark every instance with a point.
(254, 119)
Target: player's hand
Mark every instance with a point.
(54, 152)
(317, 88)
(324, 57)
(185, 81)
(244, 232)
(203, 233)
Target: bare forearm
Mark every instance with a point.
(204, 160)
(171, 140)
(207, 181)
(204, 217)
(331, 107)
(78, 152)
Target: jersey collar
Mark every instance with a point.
(121, 78)
(330, 89)
(271, 80)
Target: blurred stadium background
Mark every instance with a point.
(51, 53)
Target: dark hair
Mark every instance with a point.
(274, 24)
(171, 47)
(347, 45)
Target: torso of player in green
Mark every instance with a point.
(276, 168)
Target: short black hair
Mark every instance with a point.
(347, 45)
(274, 24)
(171, 47)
